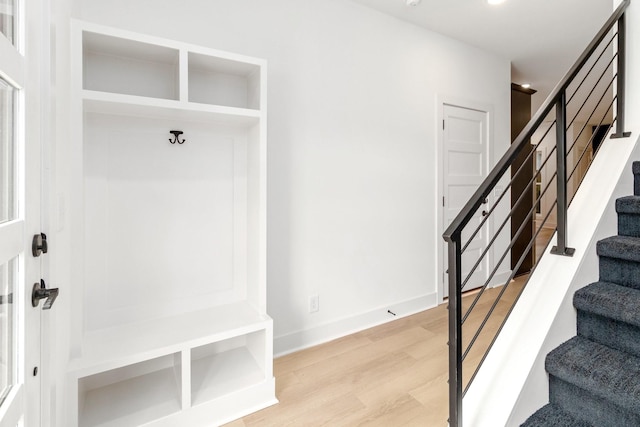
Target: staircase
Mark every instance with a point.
(594, 378)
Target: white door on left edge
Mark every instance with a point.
(19, 212)
(465, 147)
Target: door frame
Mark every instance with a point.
(440, 245)
(32, 45)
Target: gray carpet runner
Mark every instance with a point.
(594, 378)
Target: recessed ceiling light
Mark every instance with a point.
(526, 85)
(494, 2)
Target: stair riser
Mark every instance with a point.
(628, 225)
(621, 272)
(588, 407)
(550, 415)
(609, 332)
(636, 185)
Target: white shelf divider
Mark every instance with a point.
(185, 377)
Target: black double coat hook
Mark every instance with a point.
(176, 134)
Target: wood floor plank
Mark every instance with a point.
(302, 359)
(403, 411)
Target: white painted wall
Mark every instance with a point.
(352, 146)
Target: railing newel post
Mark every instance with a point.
(561, 169)
(455, 330)
(621, 79)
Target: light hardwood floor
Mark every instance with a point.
(391, 375)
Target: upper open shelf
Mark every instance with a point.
(220, 81)
(167, 70)
(124, 66)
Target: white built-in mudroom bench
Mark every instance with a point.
(168, 209)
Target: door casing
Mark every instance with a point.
(27, 70)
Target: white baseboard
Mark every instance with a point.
(499, 278)
(300, 340)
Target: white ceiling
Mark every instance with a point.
(541, 38)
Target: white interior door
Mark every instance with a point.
(465, 148)
(19, 213)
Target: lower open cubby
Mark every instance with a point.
(132, 395)
(207, 380)
(225, 367)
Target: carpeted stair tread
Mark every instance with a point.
(620, 247)
(552, 415)
(609, 300)
(629, 205)
(611, 375)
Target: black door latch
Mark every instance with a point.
(40, 291)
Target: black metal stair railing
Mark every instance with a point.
(598, 80)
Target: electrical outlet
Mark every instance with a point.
(314, 303)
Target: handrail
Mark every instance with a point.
(453, 234)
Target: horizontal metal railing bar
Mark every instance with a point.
(593, 112)
(586, 148)
(502, 291)
(475, 372)
(484, 287)
(504, 287)
(465, 215)
(592, 67)
(593, 90)
(590, 138)
(517, 203)
(521, 259)
(545, 134)
(511, 212)
(521, 198)
(508, 250)
(511, 244)
(504, 192)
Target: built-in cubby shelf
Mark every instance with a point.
(169, 323)
(219, 367)
(125, 66)
(220, 81)
(133, 395)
